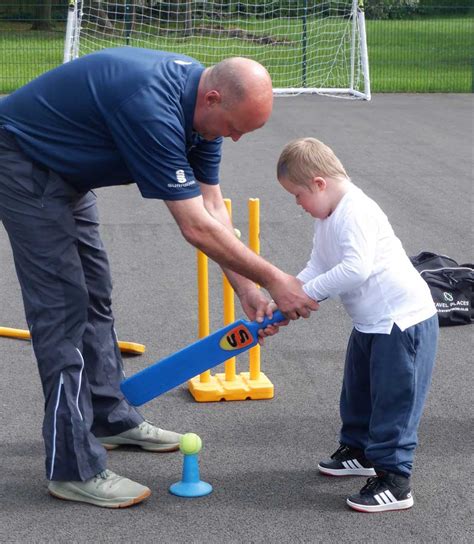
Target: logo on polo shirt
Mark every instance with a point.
(183, 62)
(180, 176)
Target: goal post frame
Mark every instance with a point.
(357, 79)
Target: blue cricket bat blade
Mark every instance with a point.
(195, 359)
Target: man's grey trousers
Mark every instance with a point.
(66, 286)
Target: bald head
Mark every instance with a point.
(239, 78)
(238, 89)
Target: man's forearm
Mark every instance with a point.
(205, 223)
(241, 265)
(240, 284)
(215, 205)
(216, 240)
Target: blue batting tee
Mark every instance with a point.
(117, 116)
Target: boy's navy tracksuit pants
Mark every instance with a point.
(386, 381)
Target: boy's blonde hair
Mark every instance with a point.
(303, 159)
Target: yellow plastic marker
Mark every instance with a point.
(125, 347)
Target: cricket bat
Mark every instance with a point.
(195, 359)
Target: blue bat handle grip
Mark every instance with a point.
(277, 317)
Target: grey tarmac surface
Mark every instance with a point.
(411, 153)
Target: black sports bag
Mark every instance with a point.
(451, 286)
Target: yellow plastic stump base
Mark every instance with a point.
(242, 388)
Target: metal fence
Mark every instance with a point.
(414, 45)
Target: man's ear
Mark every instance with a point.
(213, 98)
(318, 183)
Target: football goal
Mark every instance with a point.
(308, 46)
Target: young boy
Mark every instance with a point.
(392, 347)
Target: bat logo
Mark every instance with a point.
(236, 338)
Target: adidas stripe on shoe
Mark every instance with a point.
(347, 461)
(383, 493)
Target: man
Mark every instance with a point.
(114, 117)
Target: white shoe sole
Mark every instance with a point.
(347, 471)
(399, 505)
(123, 502)
(144, 446)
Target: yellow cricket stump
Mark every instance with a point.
(125, 347)
(252, 385)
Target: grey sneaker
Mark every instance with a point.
(106, 489)
(146, 436)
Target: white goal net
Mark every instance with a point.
(308, 46)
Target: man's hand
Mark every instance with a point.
(254, 302)
(256, 306)
(288, 294)
(271, 329)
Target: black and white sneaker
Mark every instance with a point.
(347, 461)
(384, 492)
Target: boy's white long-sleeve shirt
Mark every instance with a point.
(357, 256)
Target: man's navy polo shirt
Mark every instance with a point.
(117, 116)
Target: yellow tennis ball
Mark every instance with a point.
(237, 233)
(190, 444)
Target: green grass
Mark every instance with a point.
(416, 55)
(25, 54)
(421, 55)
